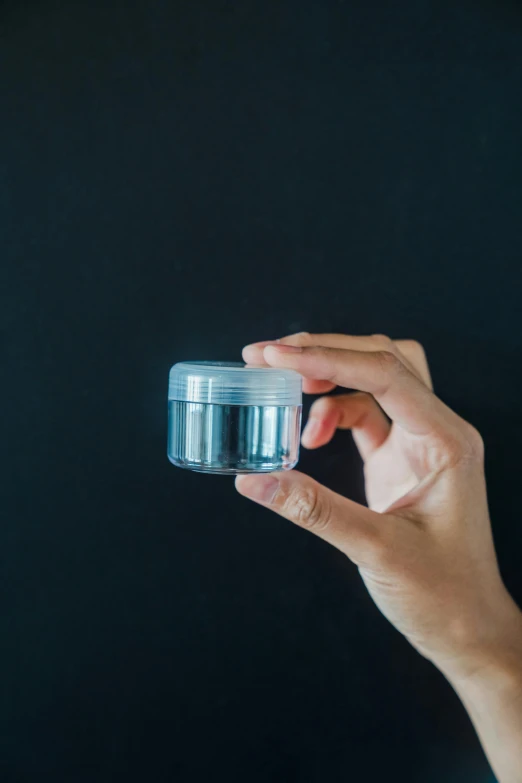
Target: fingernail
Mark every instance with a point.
(280, 348)
(311, 430)
(259, 488)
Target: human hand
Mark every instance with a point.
(424, 546)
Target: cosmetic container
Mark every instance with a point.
(230, 418)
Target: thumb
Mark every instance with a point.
(352, 528)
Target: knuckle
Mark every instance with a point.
(473, 443)
(462, 446)
(414, 355)
(305, 506)
(323, 406)
(414, 349)
(301, 339)
(447, 450)
(388, 363)
(383, 342)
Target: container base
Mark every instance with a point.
(231, 471)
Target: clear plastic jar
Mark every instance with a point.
(233, 418)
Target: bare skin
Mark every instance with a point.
(423, 546)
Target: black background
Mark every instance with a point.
(178, 179)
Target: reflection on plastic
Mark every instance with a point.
(233, 438)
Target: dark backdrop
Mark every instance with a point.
(177, 179)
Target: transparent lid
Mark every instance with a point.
(233, 383)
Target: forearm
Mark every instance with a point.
(492, 696)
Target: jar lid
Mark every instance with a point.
(234, 383)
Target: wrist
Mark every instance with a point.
(489, 685)
(490, 656)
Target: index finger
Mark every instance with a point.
(400, 393)
(410, 352)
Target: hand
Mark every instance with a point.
(424, 546)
